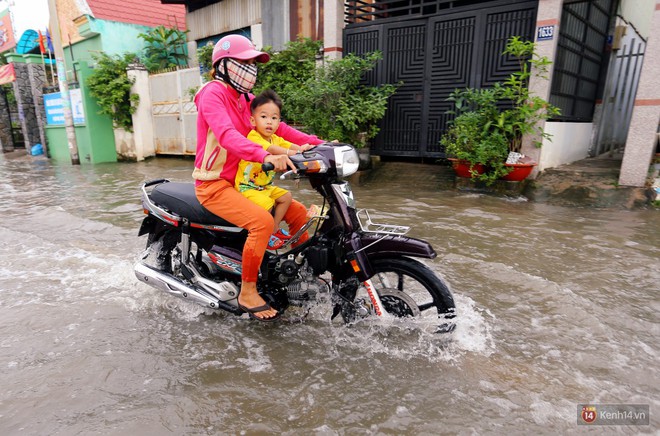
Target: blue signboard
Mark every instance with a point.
(545, 33)
(55, 111)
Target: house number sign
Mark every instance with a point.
(544, 33)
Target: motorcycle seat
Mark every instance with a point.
(180, 199)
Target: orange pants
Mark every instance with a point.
(221, 198)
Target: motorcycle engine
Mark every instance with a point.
(299, 280)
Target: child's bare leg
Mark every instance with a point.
(281, 206)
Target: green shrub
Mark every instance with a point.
(204, 56)
(288, 70)
(334, 104)
(111, 88)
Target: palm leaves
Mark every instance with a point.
(165, 48)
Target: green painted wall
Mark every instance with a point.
(95, 138)
(113, 38)
(83, 50)
(119, 38)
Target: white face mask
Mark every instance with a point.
(242, 77)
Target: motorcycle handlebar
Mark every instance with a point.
(268, 166)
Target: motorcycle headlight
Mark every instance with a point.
(347, 160)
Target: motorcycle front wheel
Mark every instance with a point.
(408, 288)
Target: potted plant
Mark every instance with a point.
(490, 123)
(472, 146)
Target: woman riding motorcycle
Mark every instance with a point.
(223, 122)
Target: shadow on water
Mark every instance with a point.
(557, 306)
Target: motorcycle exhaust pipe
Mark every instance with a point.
(170, 284)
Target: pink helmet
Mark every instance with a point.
(237, 47)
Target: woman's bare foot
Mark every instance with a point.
(249, 299)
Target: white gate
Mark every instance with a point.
(173, 112)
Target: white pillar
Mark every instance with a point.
(642, 135)
(257, 36)
(549, 14)
(333, 25)
(143, 125)
(192, 54)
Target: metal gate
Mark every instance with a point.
(581, 56)
(174, 114)
(433, 56)
(619, 94)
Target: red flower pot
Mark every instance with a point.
(519, 172)
(462, 168)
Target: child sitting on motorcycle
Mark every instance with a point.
(256, 184)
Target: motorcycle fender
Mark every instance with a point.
(379, 245)
(358, 258)
(362, 247)
(148, 225)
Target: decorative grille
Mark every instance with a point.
(360, 11)
(576, 81)
(433, 56)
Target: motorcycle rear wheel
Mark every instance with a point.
(159, 248)
(408, 288)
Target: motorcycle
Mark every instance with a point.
(363, 268)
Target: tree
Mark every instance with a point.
(165, 48)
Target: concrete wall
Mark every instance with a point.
(637, 13)
(333, 18)
(642, 136)
(28, 90)
(275, 29)
(143, 126)
(569, 143)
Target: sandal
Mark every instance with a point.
(252, 310)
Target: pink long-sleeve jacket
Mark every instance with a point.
(223, 123)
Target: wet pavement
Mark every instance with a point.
(591, 183)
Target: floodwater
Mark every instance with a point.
(556, 307)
